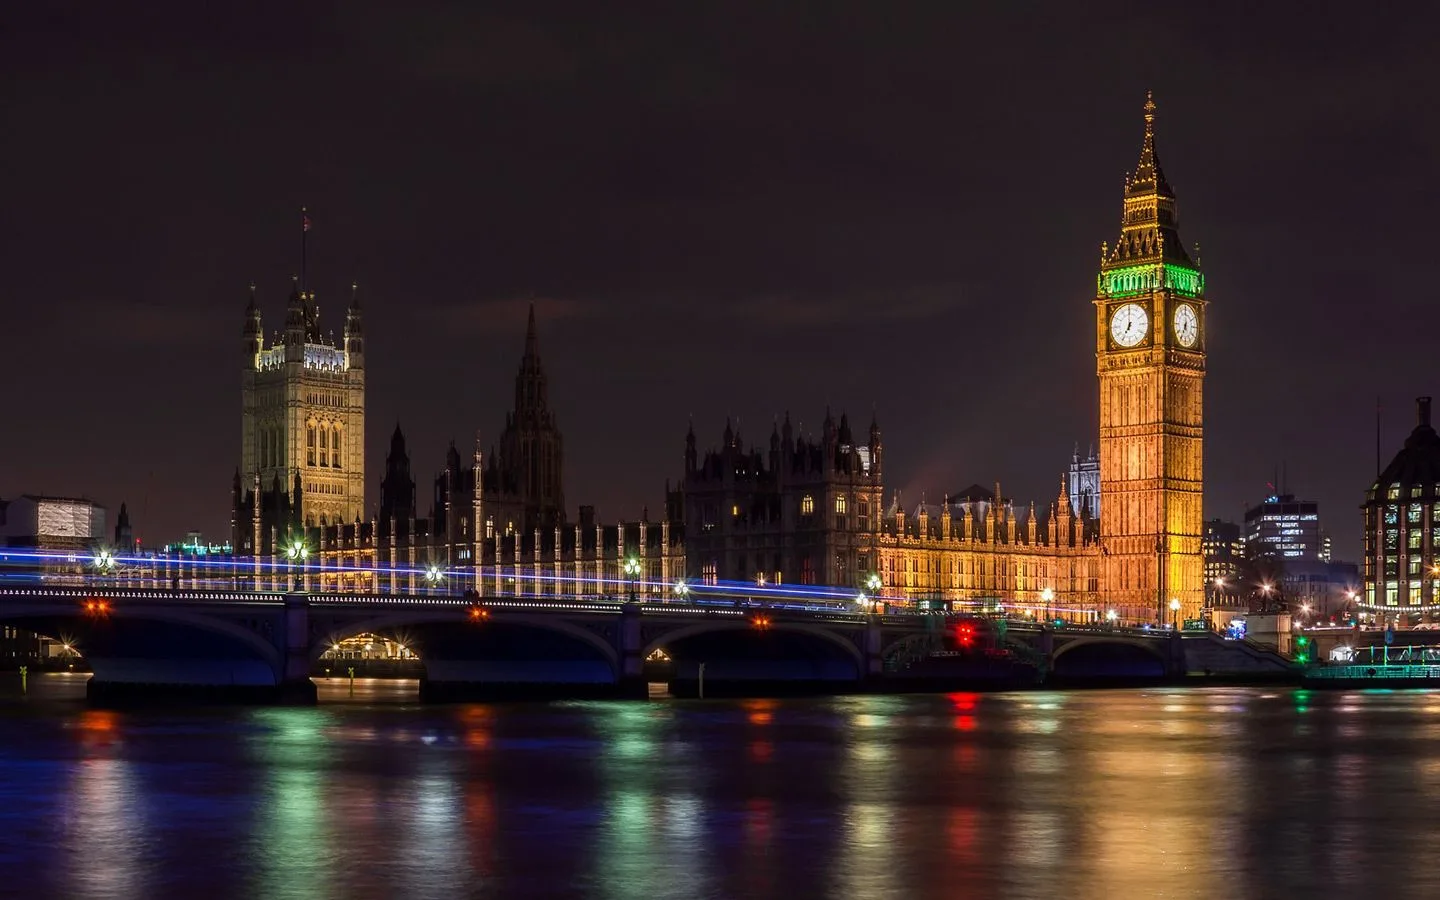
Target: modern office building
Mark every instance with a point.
(1402, 526)
(1223, 549)
(1285, 528)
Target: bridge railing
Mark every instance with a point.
(1378, 671)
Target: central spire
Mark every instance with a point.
(1149, 226)
(532, 342)
(1148, 177)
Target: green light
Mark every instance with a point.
(1145, 279)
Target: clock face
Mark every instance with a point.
(1129, 325)
(1187, 325)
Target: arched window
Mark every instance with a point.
(310, 446)
(807, 505)
(324, 446)
(323, 520)
(335, 447)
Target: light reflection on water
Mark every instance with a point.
(1224, 793)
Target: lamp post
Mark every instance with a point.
(433, 576)
(1048, 596)
(104, 562)
(298, 553)
(682, 590)
(632, 571)
(1175, 613)
(873, 584)
(1111, 616)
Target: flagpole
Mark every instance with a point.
(304, 232)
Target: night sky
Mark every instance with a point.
(718, 208)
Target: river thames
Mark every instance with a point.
(1218, 793)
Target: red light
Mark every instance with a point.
(761, 622)
(478, 614)
(965, 634)
(97, 607)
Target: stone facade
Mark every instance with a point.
(303, 425)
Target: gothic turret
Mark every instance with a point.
(124, 535)
(354, 331)
(527, 488)
(397, 489)
(254, 337)
(295, 323)
(877, 449)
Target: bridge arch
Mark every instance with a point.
(108, 642)
(1138, 650)
(44, 619)
(819, 631)
(391, 622)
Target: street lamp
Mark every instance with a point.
(1048, 596)
(104, 561)
(873, 584)
(682, 590)
(1111, 616)
(1175, 612)
(632, 570)
(433, 576)
(298, 553)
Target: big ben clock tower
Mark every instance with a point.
(1150, 358)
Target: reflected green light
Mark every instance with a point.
(291, 745)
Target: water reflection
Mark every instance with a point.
(292, 848)
(1223, 794)
(105, 825)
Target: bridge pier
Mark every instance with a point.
(630, 677)
(295, 686)
(873, 673)
(1175, 665)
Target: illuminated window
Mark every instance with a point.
(807, 505)
(1414, 514)
(310, 446)
(489, 529)
(324, 446)
(335, 446)
(840, 504)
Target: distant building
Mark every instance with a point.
(1287, 531)
(1223, 549)
(1085, 485)
(1285, 528)
(1402, 527)
(51, 523)
(805, 512)
(498, 525)
(809, 511)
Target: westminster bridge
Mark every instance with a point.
(266, 645)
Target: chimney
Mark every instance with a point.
(1423, 406)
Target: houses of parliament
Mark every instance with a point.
(1122, 532)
